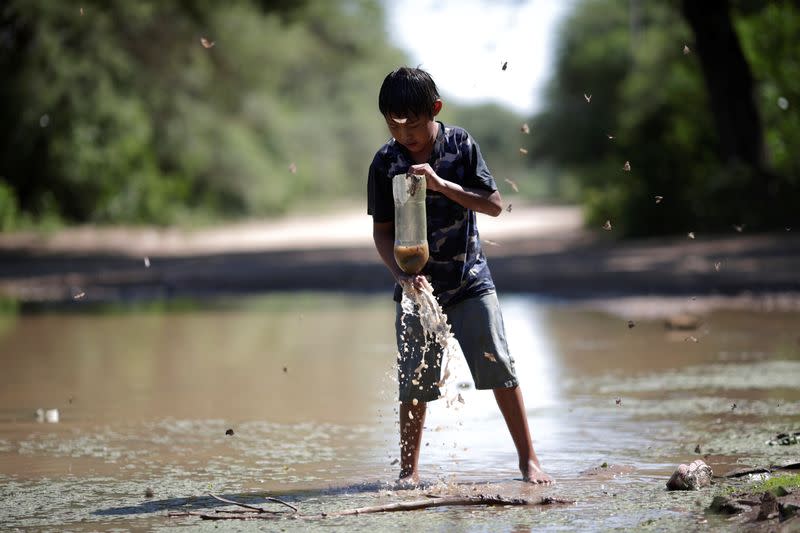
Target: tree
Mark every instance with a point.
(731, 91)
(687, 121)
(115, 112)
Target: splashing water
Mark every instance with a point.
(422, 302)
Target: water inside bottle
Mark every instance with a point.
(411, 234)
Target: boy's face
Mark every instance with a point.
(416, 132)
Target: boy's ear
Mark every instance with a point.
(437, 106)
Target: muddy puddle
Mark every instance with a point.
(305, 382)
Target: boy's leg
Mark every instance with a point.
(478, 327)
(511, 404)
(417, 385)
(410, 440)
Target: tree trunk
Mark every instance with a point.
(728, 80)
(752, 191)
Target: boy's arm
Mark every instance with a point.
(480, 200)
(383, 235)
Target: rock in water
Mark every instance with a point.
(725, 505)
(693, 476)
(769, 507)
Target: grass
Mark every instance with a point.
(775, 484)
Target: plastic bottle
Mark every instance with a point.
(410, 224)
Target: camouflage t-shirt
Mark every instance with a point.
(457, 266)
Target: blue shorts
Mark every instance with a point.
(477, 325)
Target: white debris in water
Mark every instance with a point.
(421, 302)
(50, 416)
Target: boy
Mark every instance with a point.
(459, 184)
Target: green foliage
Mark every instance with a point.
(777, 484)
(115, 112)
(498, 133)
(8, 208)
(651, 97)
(769, 39)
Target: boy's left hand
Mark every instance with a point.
(432, 180)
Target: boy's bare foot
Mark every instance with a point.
(407, 481)
(532, 473)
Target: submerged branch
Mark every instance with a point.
(253, 507)
(427, 504)
(414, 505)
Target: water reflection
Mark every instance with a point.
(536, 359)
(294, 361)
(472, 439)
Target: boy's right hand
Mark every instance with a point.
(417, 282)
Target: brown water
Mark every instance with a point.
(306, 383)
(411, 259)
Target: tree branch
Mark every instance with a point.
(414, 505)
(253, 507)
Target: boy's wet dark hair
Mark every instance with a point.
(408, 92)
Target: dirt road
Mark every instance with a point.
(540, 250)
(346, 229)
